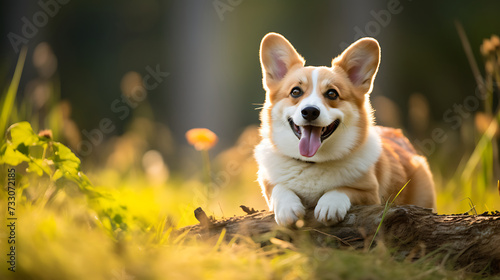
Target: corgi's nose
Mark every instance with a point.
(310, 113)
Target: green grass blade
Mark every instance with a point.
(400, 191)
(386, 208)
(10, 97)
(478, 152)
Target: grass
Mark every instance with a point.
(384, 213)
(65, 239)
(8, 100)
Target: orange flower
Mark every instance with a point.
(201, 138)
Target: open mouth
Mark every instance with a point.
(311, 137)
(325, 131)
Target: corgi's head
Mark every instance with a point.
(317, 113)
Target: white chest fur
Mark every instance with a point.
(311, 180)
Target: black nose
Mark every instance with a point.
(310, 113)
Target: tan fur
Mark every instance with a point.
(400, 163)
(395, 167)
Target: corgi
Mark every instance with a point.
(320, 148)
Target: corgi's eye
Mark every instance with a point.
(296, 92)
(332, 94)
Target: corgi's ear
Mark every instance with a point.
(277, 57)
(360, 61)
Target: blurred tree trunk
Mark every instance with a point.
(467, 241)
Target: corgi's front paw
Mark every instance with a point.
(287, 214)
(287, 207)
(332, 208)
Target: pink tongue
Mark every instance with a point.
(310, 140)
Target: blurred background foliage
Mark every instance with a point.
(120, 83)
